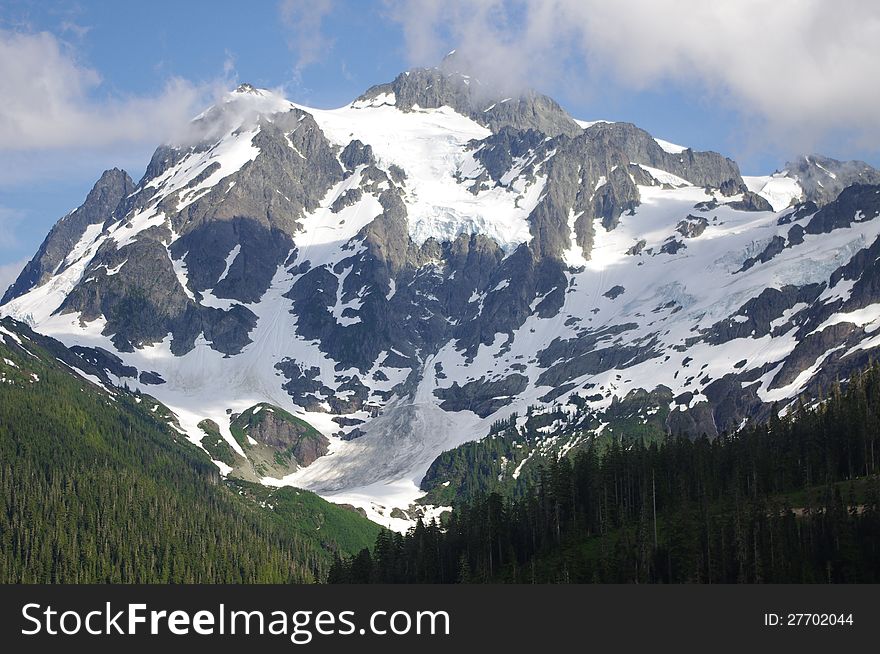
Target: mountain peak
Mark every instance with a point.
(406, 271)
(456, 62)
(244, 87)
(450, 85)
(239, 108)
(248, 95)
(823, 178)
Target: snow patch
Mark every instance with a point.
(671, 148)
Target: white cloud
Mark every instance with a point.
(50, 101)
(801, 67)
(57, 122)
(304, 19)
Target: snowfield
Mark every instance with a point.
(666, 299)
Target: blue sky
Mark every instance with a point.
(97, 84)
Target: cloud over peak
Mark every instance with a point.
(50, 100)
(802, 68)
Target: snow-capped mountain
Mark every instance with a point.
(403, 271)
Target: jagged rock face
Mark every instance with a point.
(751, 202)
(405, 271)
(134, 282)
(822, 178)
(855, 204)
(757, 316)
(430, 88)
(136, 291)
(113, 367)
(106, 195)
(269, 443)
(482, 397)
(596, 174)
(706, 169)
(276, 429)
(295, 168)
(207, 252)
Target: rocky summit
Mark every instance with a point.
(331, 299)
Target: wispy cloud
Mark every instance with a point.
(51, 100)
(304, 20)
(802, 68)
(72, 27)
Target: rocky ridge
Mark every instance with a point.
(401, 272)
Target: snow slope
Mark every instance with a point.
(665, 296)
(431, 146)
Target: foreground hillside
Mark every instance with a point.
(794, 500)
(97, 486)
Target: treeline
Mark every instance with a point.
(96, 489)
(792, 500)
